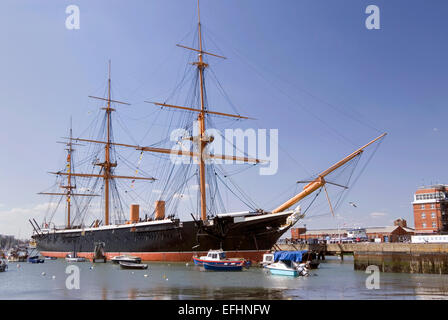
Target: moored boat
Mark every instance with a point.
(126, 258)
(289, 263)
(309, 257)
(129, 265)
(74, 258)
(230, 266)
(35, 259)
(218, 257)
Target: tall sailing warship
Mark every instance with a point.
(163, 236)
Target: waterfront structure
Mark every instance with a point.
(430, 207)
(394, 233)
(402, 257)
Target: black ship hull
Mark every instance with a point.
(171, 240)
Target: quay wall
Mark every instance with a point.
(389, 257)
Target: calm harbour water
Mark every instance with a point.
(334, 279)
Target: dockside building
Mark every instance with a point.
(431, 209)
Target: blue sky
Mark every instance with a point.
(299, 66)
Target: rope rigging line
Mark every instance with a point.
(243, 194)
(348, 114)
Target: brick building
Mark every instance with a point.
(296, 232)
(431, 209)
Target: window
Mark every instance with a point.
(424, 225)
(433, 205)
(422, 206)
(433, 215)
(434, 225)
(423, 215)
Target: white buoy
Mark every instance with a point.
(145, 275)
(187, 264)
(53, 277)
(43, 273)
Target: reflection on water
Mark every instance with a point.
(159, 293)
(334, 279)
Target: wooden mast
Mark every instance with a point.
(320, 180)
(107, 163)
(69, 178)
(201, 118)
(202, 140)
(69, 187)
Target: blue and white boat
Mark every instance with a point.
(35, 259)
(288, 263)
(231, 266)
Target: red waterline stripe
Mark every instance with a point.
(255, 256)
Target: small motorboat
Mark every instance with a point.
(129, 265)
(218, 257)
(35, 259)
(289, 263)
(3, 265)
(284, 268)
(231, 266)
(74, 258)
(125, 258)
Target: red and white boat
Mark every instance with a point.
(218, 257)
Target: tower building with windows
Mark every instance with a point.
(431, 209)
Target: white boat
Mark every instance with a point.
(125, 258)
(283, 268)
(289, 263)
(74, 258)
(130, 265)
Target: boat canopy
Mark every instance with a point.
(295, 256)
